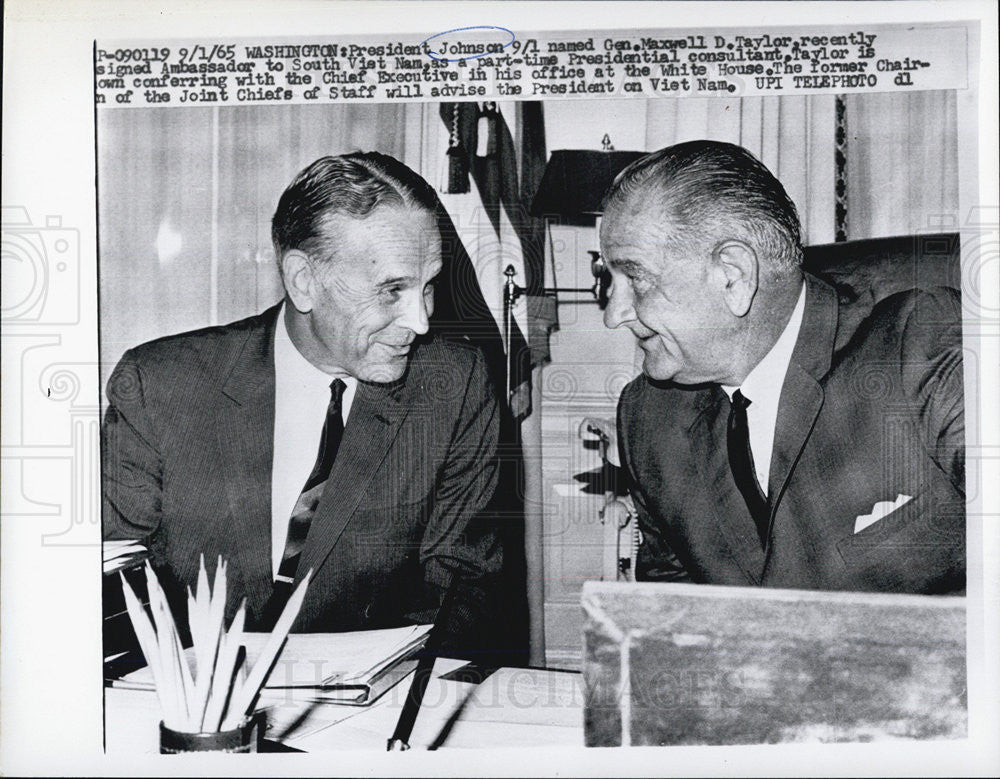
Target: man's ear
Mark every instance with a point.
(299, 279)
(738, 263)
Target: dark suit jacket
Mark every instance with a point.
(187, 444)
(871, 408)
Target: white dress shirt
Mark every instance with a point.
(762, 387)
(301, 397)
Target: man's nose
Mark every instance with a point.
(416, 317)
(620, 309)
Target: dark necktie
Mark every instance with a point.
(741, 463)
(305, 506)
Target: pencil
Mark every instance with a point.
(168, 669)
(400, 739)
(147, 642)
(250, 689)
(223, 678)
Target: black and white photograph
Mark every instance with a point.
(579, 395)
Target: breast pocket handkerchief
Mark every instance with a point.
(880, 510)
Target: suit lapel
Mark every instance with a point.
(799, 405)
(802, 393)
(246, 441)
(376, 415)
(707, 437)
(801, 400)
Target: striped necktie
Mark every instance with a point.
(305, 506)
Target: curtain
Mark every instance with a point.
(154, 202)
(902, 163)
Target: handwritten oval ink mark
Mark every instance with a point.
(490, 48)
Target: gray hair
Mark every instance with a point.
(351, 185)
(704, 184)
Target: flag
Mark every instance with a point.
(488, 177)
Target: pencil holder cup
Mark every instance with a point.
(242, 739)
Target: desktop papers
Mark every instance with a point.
(353, 668)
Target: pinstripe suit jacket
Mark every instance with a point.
(871, 408)
(187, 445)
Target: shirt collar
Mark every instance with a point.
(767, 376)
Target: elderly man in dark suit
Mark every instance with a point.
(330, 433)
(755, 451)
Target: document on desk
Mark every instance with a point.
(350, 668)
(523, 707)
(527, 707)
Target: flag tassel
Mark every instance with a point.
(458, 159)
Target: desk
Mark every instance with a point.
(513, 707)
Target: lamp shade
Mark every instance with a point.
(575, 181)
